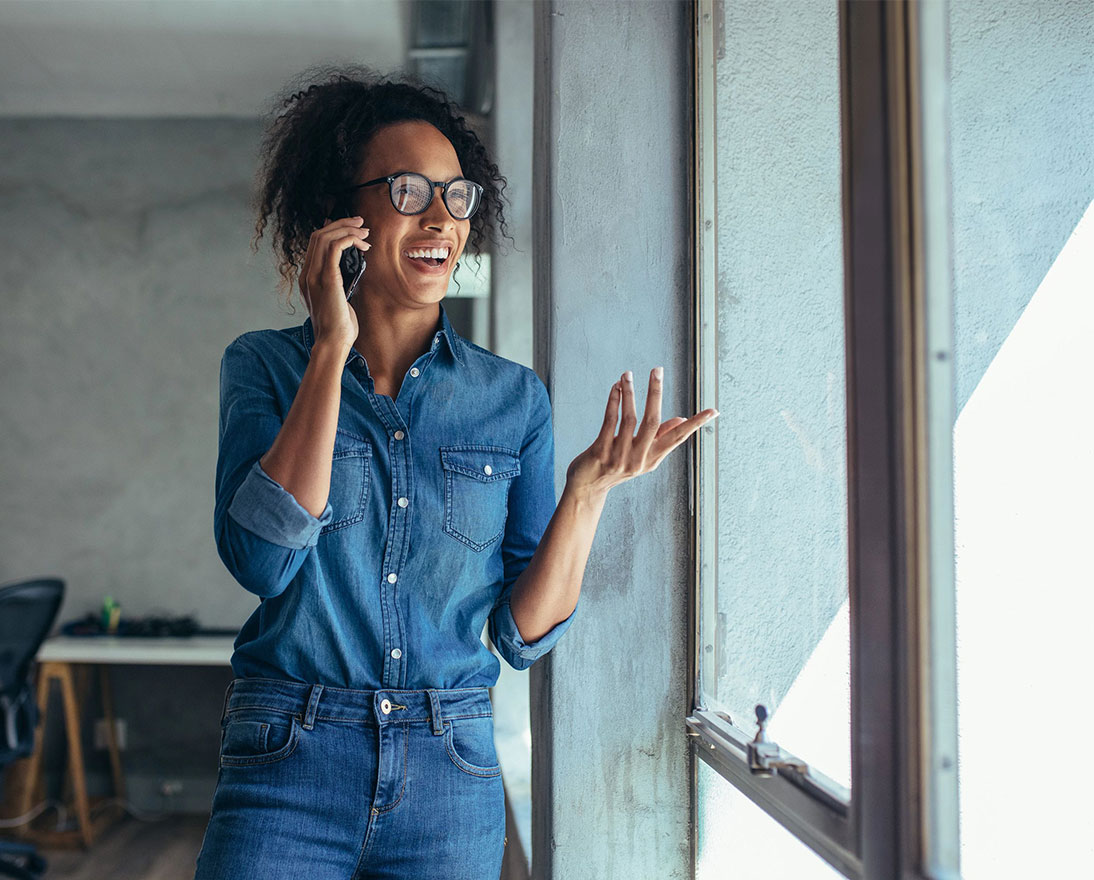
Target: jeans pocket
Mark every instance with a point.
(257, 736)
(470, 744)
(476, 492)
(350, 475)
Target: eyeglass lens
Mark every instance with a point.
(412, 193)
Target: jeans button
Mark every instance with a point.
(399, 435)
(385, 706)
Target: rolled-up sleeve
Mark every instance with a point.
(263, 534)
(532, 503)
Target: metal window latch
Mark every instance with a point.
(766, 757)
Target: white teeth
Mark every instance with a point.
(438, 253)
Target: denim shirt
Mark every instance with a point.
(437, 502)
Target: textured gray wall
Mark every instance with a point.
(610, 757)
(1023, 171)
(127, 271)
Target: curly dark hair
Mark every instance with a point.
(314, 145)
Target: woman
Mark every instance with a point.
(387, 488)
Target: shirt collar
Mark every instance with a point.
(451, 337)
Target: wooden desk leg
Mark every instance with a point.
(34, 782)
(108, 713)
(80, 677)
(75, 752)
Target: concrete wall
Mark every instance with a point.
(127, 271)
(609, 752)
(1023, 172)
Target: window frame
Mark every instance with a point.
(900, 817)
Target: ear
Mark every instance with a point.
(343, 206)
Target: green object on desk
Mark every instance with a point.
(112, 612)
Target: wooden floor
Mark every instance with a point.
(167, 850)
(133, 850)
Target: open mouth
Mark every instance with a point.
(429, 261)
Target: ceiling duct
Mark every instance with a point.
(451, 45)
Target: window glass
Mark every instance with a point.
(1022, 112)
(774, 627)
(737, 839)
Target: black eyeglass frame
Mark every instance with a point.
(390, 180)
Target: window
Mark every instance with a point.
(823, 499)
(775, 617)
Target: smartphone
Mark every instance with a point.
(352, 265)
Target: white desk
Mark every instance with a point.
(55, 660)
(171, 650)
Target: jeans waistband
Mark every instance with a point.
(311, 702)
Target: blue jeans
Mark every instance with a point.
(336, 784)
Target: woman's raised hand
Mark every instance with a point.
(333, 318)
(614, 458)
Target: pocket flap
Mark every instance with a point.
(346, 443)
(485, 463)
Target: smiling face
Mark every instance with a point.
(408, 146)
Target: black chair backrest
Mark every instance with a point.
(27, 611)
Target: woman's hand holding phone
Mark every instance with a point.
(300, 457)
(333, 318)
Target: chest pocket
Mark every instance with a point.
(476, 492)
(350, 475)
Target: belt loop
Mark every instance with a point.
(313, 706)
(227, 694)
(435, 711)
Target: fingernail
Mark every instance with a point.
(714, 414)
(629, 376)
(658, 372)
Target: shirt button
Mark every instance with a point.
(396, 653)
(399, 435)
(488, 469)
(391, 578)
(385, 707)
(403, 502)
(414, 371)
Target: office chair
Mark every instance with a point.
(27, 612)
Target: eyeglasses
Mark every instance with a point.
(412, 193)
